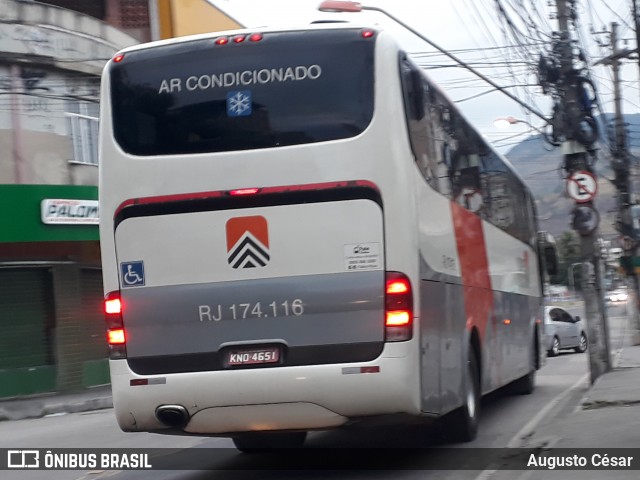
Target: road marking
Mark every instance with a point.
(98, 474)
(528, 430)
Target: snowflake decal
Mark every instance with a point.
(239, 103)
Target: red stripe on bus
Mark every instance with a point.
(167, 199)
(474, 268)
(320, 186)
(224, 193)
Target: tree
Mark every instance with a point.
(568, 254)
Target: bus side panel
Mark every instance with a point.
(453, 348)
(443, 325)
(506, 349)
(514, 318)
(515, 280)
(433, 314)
(442, 322)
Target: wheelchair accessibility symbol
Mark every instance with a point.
(132, 273)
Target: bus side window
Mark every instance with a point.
(439, 146)
(418, 119)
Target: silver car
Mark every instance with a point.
(563, 331)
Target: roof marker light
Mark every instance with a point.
(118, 58)
(255, 37)
(367, 33)
(239, 39)
(222, 40)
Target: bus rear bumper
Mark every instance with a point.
(288, 398)
(278, 416)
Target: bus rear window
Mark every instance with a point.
(287, 89)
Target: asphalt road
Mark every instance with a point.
(507, 421)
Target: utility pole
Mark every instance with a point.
(636, 283)
(621, 164)
(636, 23)
(576, 129)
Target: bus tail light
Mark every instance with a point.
(116, 336)
(398, 307)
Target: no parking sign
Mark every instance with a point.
(582, 186)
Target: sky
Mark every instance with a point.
(480, 35)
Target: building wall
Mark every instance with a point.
(49, 82)
(189, 17)
(169, 18)
(130, 16)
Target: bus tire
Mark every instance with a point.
(255, 442)
(463, 426)
(526, 384)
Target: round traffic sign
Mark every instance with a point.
(582, 186)
(585, 219)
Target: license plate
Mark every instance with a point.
(255, 356)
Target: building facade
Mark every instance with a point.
(51, 323)
(52, 52)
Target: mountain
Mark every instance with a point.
(540, 165)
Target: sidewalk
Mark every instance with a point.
(51, 404)
(607, 417)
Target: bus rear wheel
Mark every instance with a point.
(463, 426)
(255, 442)
(526, 384)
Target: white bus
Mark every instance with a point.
(299, 231)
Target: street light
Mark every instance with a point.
(340, 6)
(506, 122)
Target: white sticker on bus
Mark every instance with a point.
(362, 256)
(245, 78)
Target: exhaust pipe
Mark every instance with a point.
(174, 416)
